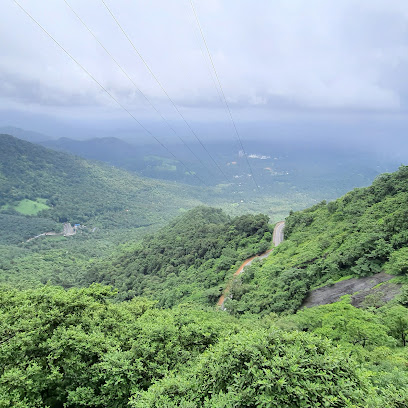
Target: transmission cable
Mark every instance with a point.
(107, 92)
(207, 64)
(164, 91)
(199, 42)
(137, 88)
(223, 94)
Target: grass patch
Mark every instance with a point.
(344, 278)
(331, 282)
(30, 207)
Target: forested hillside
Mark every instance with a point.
(225, 230)
(78, 348)
(360, 234)
(188, 260)
(101, 346)
(40, 189)
(38, 181)
(109, 149)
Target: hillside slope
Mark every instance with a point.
(78, 349)
(108, 149)
(28, 135)
(188, 260)
(145, 159)
(40, 189)
(81, 347)
(39, 182)
(360, 234)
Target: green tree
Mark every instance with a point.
(396, 319)
(398, 263)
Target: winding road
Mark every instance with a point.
(277, 238)
(278, 233)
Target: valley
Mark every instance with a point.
(109, 278)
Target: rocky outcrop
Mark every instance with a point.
(359, 288)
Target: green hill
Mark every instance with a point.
(360, 234)
(65, 188)
(186, 261)
(41, 189)
(83, 347)
(108, 149)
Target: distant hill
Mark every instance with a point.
(35, 181)
(108, 149)
(28, 135)
(146, 160)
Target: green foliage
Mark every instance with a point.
(187, 261)
(76, 348)
(398, 263)
(343, 323)
(371, 336)
(396, 319)
(17, 228)
(265, 368)
(360, 234)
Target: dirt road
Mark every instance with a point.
(277, 238)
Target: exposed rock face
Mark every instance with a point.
(359, 288)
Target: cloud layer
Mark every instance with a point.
(274, 56)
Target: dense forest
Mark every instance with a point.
(128, 319)
(41, 188)
(62, 187)
(360, 234)
(76, 348)
(187, 260)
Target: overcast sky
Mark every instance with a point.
(276, 60)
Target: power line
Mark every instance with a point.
(199, 42)
(207, 64)
(136, 87)
(162, 88)
(104, 89)
(223, 94)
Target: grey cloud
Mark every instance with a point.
(281, 55)
(27, 90)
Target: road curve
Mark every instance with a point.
(278, 233)
(277, 238)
